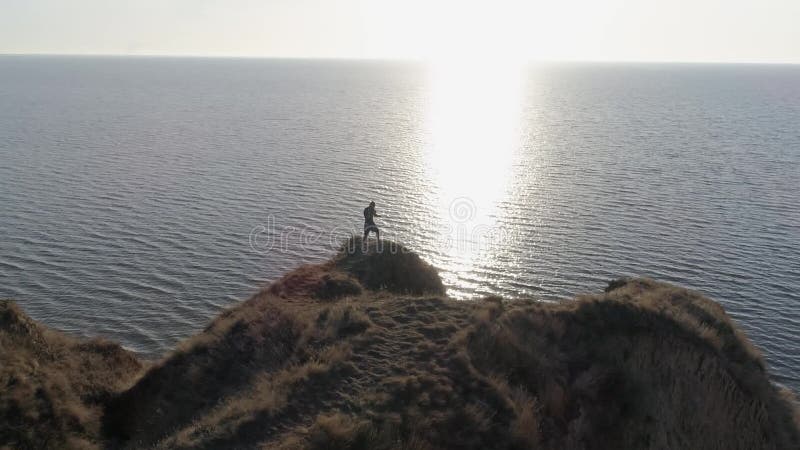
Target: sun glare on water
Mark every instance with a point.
(473, 123)
(476, 56)
(473, 127)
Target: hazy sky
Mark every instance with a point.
(663, 30)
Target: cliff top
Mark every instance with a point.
(366, 351)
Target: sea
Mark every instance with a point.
(140, 196)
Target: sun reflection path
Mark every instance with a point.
(473, 123)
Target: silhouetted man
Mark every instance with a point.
(369, 222)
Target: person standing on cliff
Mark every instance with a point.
(369, 221)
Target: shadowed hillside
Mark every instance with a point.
(367, 352)
(52, 387)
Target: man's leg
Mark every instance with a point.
(378, 234)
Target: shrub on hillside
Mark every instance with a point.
(388, 265)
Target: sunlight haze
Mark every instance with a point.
(612, 30)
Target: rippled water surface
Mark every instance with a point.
(140, 196)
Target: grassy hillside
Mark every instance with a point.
(53, 388)
(366, 352)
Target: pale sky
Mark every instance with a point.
(608, 30)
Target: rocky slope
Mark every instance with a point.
(367, 352)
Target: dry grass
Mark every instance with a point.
(645, 365)
(317, 280)
(54, 387)
(204, 372)
(388, 265)
(340, 321)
